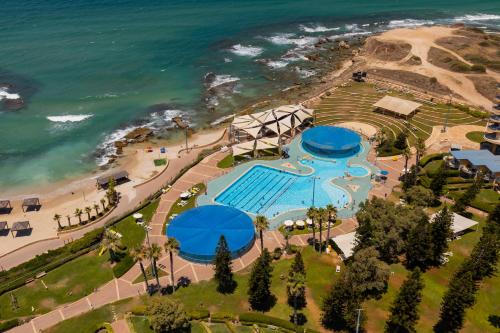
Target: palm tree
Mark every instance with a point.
(139, 254)
(171, 247)
(311, 214)
(407, 156)
(321, 218)
(111, 242)
(96, 208)
(69, 220)
(420, 149)
(103, 203)
(57, 218)
(332, 216)
(88, 210)
(78, 213)
(155, 253)
(261, 224)
(296, 284)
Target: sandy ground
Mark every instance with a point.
(64, 197)
(421, 40)
(360, 127)
(439, 141)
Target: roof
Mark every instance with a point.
(346, 243)
(479, 158)
(31, 202)
(243, 148)
(397, 105)
(267, 143)
(4, 225)
(4, 204)
(459, 223)
(103, 180)
(18, 226)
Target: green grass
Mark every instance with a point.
(149, 273)
(219, 328)
(68, 283)
(196, 328)
(226, 162)
(140, 324)
(475, 136)
(486, 200)
(243, 329)
(160, 161)
(306, 230)
(176, 209)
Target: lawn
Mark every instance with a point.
(475, 136)
(486, 200)
(226, 162)
(140, 324)
(191, 203)
(149, 273)
(160, 161)
(66, 283)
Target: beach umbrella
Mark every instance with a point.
(300, 223)
(185, 195)
(288, 223)
(137, 216)
(309, 222)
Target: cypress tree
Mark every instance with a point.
(438, 182)
(469, 195)
(441, 232)
(259, 285)
(404, 310)
(298, 298)
(223, 270)
(418, 249)
(459, 296)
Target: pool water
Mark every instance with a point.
(269, 191)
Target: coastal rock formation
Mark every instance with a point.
(344, 45)
(10, 100)
(385, 50)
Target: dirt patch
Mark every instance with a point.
(60, 283)
(77, 289)
(414, 61)
(485, 85)
(386, 51)
(48, 303)
(412, 79)
(446, 60)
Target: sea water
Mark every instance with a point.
(91, 70)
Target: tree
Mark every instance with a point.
(88, 210)
(440, 233)
(410, 178)
(295, 289)
(139, 254)
(321, 217)
(407, 155)
(332, 216)
(419, 196)
(459, 296)
(400, 142)
(438, 182)
(78, 213)
(57, 218)
(259, 284)
(96, 208)
(111, 192)
(469, 195)
(312, 214)
(297, 298)
(223, 270)
(167, 315)
(171, 247)
(155, 254)
(110, 242)
(404, 310)
(419, 250)
(261, 224)
(103, 203)
(419, 150)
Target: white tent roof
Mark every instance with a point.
(301, 115)
(242, 119)
(269, 117)
(242, 124)
(273, 127)
(397, 105)
(267, 143)
(287, 121)
(253, 131)
(243, 148)
(260, 116)
(346, 243)
(460, 223)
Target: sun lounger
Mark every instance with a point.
(337, 269)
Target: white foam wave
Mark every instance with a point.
(409, 23)
(317, 28)
(350, 34)
(351, 27)
(289, 39)
(223, 79)
(69, 118)
(304, 73)
(4, 94)
(226, 60)
(477, 17)
(246, 51)
(276, 64)
(221, 120)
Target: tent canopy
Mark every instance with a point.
(397, 105)
(346, 243)
(460, 223)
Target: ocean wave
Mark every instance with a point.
(304, 73)
(219, 80)
(317, 28)
(477, 17)
(69, 118)
(4, 94)
(290, 39)
(351, 27)
(246, 51)
(276, 64)
(351, 34)
(409, 23)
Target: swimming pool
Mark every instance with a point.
(268, 191)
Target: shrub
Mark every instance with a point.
(252, 317)
(198, 314)
(139, 310)
(222, 317)
(91, 238)
(277, 253)
(478, 68)
(433, 80)
(125, 263)
(431, 157)
(425, 181)
(7, 325)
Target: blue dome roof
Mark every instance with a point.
(198, 231)
(331, 140)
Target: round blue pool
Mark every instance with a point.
(331, 141)
(198, 231)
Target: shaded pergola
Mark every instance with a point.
(22, 226)
(31, 204)
(346, 244)
(4, 228)
(5, 206)
(397, 106)
(119, 177)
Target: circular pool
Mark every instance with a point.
(331, 141)
(198, 231)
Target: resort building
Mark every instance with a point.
(471, 162)
(492, 133)
(398, 107)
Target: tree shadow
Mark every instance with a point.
(494, 320)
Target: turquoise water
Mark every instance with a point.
(270, 192)
(89, 70)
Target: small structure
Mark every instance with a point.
(346, 244)
(397, 106)
(119, 177)
(30, 204)
(478, 161)
(4, 228)
(5, 207)
(459, 224)
(17, 227)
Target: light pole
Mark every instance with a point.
(147, 228)
(447, 115)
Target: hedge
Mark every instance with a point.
(251, 317)
(431, 157)
(198, 314)
(123, 266)
(221, 316)
(7, 325)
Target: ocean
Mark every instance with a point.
(88, 71)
